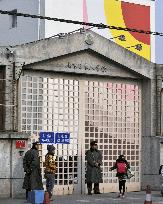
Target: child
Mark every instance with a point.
(122, 166)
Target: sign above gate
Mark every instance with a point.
(86, 63)
(56, 138)
(86, 67)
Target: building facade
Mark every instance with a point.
(11, 169)
(18, 30)
(94, 89)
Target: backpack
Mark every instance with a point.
(121, 167)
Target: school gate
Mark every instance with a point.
(90, 108)
(86, 85)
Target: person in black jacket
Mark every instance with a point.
(161, 178)
(31, 165)
(122, 166)
(161, 170)
(93, 173)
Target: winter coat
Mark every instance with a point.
(31, 165)
(161, 167)
(49, 164)
(121, 176)
(93, 173)
(161, 175)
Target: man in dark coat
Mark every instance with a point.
(161, 170)
(93, 173)
(161, 178)
(31, 165)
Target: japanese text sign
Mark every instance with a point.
(46, 137)
(62, 138)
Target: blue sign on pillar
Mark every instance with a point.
(62, 138)
(46, 137)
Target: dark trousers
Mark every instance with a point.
(50, 181)
(96, 187)
(122, 186)
(27, 190)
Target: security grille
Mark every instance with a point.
(112, 118)
(106, 111)
(52, 104)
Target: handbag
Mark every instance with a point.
(129, 174)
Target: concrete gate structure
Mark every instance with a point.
(96, 90)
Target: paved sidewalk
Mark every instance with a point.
(109, 198)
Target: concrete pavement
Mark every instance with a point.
(110, 198)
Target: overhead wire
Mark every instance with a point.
(98, 25)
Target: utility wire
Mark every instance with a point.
(71, 32)
(98, 25)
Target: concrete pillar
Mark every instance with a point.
(17, 72)
(8, 98)
(150, 149)
(11, 165)
(159, 88)
(150, 162)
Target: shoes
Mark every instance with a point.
(50, 195)
(51, 199)
(120, 195)
(97, 192)
(89, 193)
(123, 196)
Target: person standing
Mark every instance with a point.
(93, 173)
(161, 170)
(122, 166)
(31, 165)
(50, 169)
(161, 178)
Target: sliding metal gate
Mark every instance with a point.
(107, 111)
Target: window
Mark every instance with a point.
(14, 19)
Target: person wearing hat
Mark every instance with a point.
(93, 173)
(50, 169)
(31, 165)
